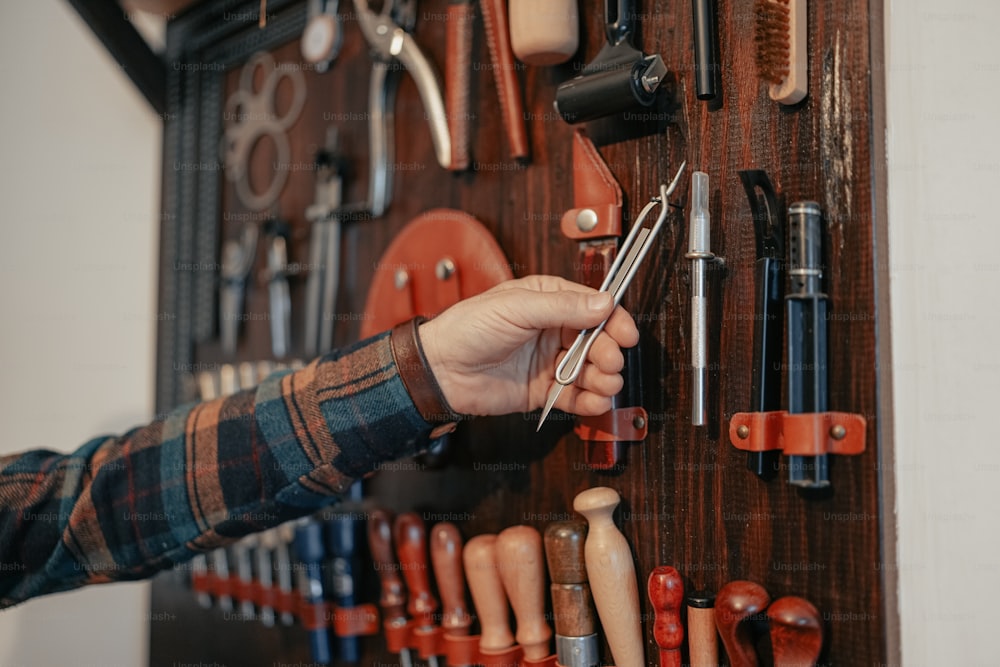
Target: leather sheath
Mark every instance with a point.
(595, 221)
(458, 73)
(410, 279)
(505, 75)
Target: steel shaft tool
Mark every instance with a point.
(626, 265)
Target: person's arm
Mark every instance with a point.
(205, 475)
(202, 476)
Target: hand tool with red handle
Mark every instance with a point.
(505, 74)
(521, 564)
(457, 79)
(737, 603)
(611, 572)
(446, 559)
(703, 638)
(572, 604)
(796, 632)
(393, 598)
(666, 594)
(411, 549)
(488, 596)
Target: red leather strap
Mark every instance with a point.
(398, 636)
(510, 657)
(353, 621)
(620, 425)
(461, 651)
(807, 434)
(594, 189)
(285, 601)
(428, 642)
(312, 615)
(549, 661)
(243, 591)
(200, 582)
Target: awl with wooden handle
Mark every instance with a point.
(611, 572)
(666, 594)
(393, 598)
(572, 604)
(521, 564)
(446, 559)
(411, 549)
(487, 593)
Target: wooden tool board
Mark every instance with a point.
(688, 499)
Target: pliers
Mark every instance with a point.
(388, 35)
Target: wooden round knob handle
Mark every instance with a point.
(703, 638)
(564, 544)
(666, 594)
(393, 598)
(736, 602)
(446, 559)
(411, 548)
(487, 593)
(611, 571)
(796, 632)
(544, 33)
(522, 571)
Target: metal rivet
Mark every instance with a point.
(638, 423)
(586, 220)
(743, 432)
(838, 432)
(445, 268)
(402, 278)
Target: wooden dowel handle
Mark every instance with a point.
(666, 594)
(796, 632)
(522, 571)
(703, 638)
(487, 593)
(446, 559)
(411, 548)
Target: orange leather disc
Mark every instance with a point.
(439, 258)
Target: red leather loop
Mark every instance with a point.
(428, 642)
(549, 661)
(806, 434)
(620, 425)
(461, 651)
(357, 621)
(510, 657)
(398, 637)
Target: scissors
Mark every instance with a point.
(626, 265)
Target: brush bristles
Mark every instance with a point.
(772, 38)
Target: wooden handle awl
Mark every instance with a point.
(703, 638)
(487, 592)
(611, 571)
(446, 559)
(522, 571)
(393, 599)
(411, 547)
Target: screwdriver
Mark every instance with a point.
(521, 564)
(309, 547)
(342, 547)
(392, 599)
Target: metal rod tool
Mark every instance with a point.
(700, 254)
(630, 256)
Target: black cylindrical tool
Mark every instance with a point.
(705, 65)
(620, 78)
(807, 332)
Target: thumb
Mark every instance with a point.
(563, 308)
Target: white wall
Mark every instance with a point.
(79, 186)
(944, 176)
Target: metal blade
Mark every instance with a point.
(549, 402)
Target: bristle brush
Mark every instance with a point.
(781, 41)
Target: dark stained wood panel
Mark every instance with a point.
(688, 500)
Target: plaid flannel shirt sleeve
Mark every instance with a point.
(202, 476)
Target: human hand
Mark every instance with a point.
(496, 353)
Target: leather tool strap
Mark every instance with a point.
(458, 72)
(505, 75)
(596, 222)
(439, 258)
